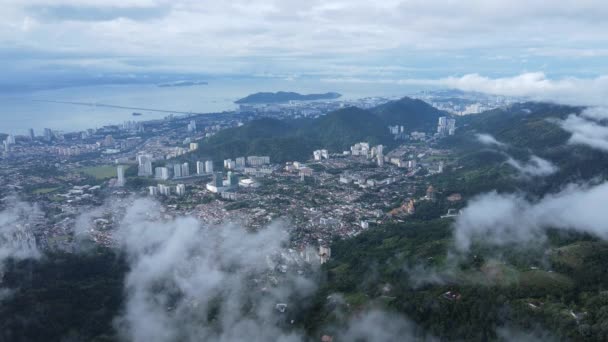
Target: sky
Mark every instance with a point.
(413, 41)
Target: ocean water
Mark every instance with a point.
(21, 111)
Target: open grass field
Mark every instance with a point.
(101, 172)
(44, 191)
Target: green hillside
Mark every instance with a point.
(413, 114)
(287, 140)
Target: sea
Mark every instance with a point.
(41, 109)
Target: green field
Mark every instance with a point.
(101, 172)
(43, 191)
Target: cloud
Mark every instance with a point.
(95, 13)
(190, 282)
(534, 167)
(379, 326)
(587, 128)
(319, 34)
(16, 232)
(531, 85)
(489, 140)
(17, 241)
(502, 219)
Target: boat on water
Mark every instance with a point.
(137, 114)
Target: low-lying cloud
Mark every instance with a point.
(535, 166)
(503, 219)
(16, 236)
(489, 140)
(532, 85)
(588, 128)
(17, 241)
(190, 282)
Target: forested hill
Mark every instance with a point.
(413, 114)
(285, 140)
(282, 96)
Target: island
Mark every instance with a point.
(182, 84)
(282, 96)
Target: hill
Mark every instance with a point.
(282, 96)
(415, 115)
(341, 129)
(288, 140)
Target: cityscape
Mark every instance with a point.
(303, 171)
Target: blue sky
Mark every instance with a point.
(57, 41)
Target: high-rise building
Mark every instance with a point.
(108, 141)
(193, 146)
(229, 164)
(240, 163)
(316, 155)
(258, 160)
(192, 126)
(153, 190)
(145, 165)
(200, 168)
(380, 155)
(11, 139)
(233, 179)
(209, 166)
(185, 170)
(446, 126)
(162, 173)
(180, 189)
(48, 134)
(164, 190)
(177, 171)
(218, 179)
(120, 173)
(32, 135)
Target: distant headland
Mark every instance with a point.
(182, 84)
(282, 96)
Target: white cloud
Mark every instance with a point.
(534, 167)
(16, 236)
(379, 326)
(189, 282)
(269, 29)
(502, 219)
(587, 129)
(489, 140)
(533, 85)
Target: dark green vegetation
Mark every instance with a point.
(413, 114)
(63, 297)
(286, 140)
(526, 129)
(282, 96)
(405, 268)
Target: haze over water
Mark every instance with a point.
(21, 111)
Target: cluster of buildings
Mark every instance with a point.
(166, 190)
(446, 126)
(363, 149)
(220, 185)
(320, 154)
(241, 163)
(10, 140)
